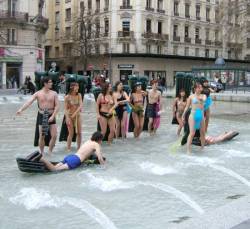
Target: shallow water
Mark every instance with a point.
(150, 183)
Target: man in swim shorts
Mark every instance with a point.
(73, 161)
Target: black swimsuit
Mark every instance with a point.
(121, 108)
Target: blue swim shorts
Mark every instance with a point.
(72, 160)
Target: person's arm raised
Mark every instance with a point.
(27, 104)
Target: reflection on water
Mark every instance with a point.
(145, 184)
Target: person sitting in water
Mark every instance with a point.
(209, 140)
(73, 161)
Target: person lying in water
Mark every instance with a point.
(73, 161)
(209, 140)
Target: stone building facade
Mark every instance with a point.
(148, 37)
(22, 34)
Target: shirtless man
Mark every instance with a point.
(48, 106)
(154, 100)
(73, 161)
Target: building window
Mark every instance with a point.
(97, 49)
(187, 10)
(216, 53)
(148, 48)
(229, 54)
(66, 1)
(148, 4)
(159, 49)
(57, 2)
(56, 51)
(68, 32)
(89, 5)
(175, 50)
(82, 8)
(176, 6)
(68, 14)
(216, 35)
(186, 31)
(197, 52)
(47, 51)
(208, 14)
(207, 34)
(56, 34)
(126, 28)
(97, 28)
(207, 53)
(67, 50)
(11, 37)
(57, 20)
(97, 6)
(106, 48)
(106, 4)
(198, 12)
(160, 4)
(197, 33)
(148, 26)
(159, 27)
(125, 47)
(186, 51)
(126, 3)
(248, 43)
(106, 27)
(89, 31)
(175, 31)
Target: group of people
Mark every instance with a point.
(114, 108)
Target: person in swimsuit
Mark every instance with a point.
(137, 99)
(48, 107)
(153, 107)
(105, 111)
(196, 118)
(220, 138)
(73, 161)
(206, 91)
(73, 107)
(121, 99)
(178, 108)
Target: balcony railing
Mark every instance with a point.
(126, 34)
(161, 11)
(218, 43)
(149, 9)
(208, 42)
(155, 36)
(106, 9)
(11, 42)
(97, 11)
(197, 41)
(187, 39)
(176, 38)
(14, 16)
(44, 22)
(106, 34)
(126, 7)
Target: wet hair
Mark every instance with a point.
(45, 80)
(72, 85)
(196, 84)
(185, 96)
(97, 136)
(117, 84)
(105, 87)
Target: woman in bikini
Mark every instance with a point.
(137, 99)
(178, 108)
(121, 99)
(206, 91)
(196, 118)
(105, 111)
(73, 107)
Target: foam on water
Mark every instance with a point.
(32, 199)
(201, 161)
(236, 153)
(157, 169)
(108, 185)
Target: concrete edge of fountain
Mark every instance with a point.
(235, 215)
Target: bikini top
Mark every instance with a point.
(137, 101)
(121, 98)
(104, 101)
(195, 100)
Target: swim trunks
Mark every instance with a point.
(72, 160)
(151, 111)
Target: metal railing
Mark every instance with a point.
(14, 15)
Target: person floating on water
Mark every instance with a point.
(121, 100)
(105, 111)
(73, 106)
(153, 108)
(206, 91)
(196, 118)
(179, 105)
(48, 107)
(73, 161)
(137, 99)
(209, 140)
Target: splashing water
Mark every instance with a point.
(156, 169)
(107, 186)
(33, 199)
